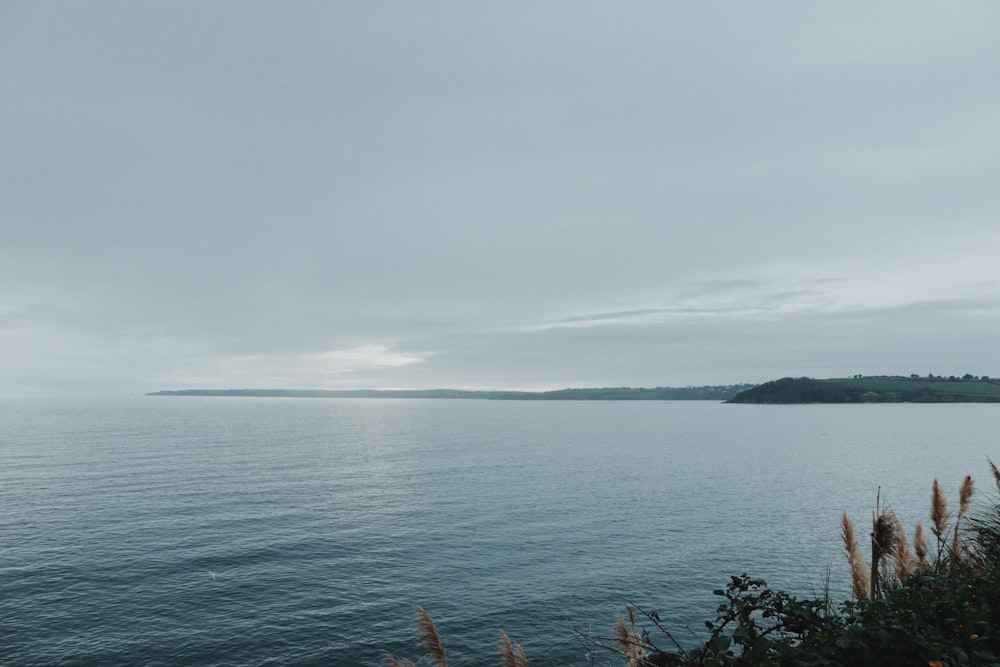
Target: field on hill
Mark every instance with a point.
(875, 389)
(956, 387)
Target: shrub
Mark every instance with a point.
(919, 606)
(916, 606)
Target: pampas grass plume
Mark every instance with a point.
(920, 545)
(859, 568)
(629, 640)
(392, 661)
(939, 511)
(513, 654)
(885, 538)
(903, 557)
(431, 639)
(965, 495)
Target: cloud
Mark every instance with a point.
(311, 371)
(566, 193)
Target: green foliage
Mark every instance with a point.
(873, 389)
(760, 626)
(948, 617)
(986, 388)
(932, 620)
(945, 614)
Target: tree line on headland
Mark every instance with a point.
(855, 389)
(875, 389)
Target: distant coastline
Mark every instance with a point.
(875, 389)
(703, 393)
(856, 389)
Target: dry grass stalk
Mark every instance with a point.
(964, 501)
(965, 496)
(889, 541)
(859, 568)
(920, 545)
(939, 511)
(521, 658)
(431, 640)
(392, 661)
(629, 640)
(996, 473)
(903, 559)
(885, 538)
(957, 550)
(513, 654)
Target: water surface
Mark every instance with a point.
(229, 531)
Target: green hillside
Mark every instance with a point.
(875, 389)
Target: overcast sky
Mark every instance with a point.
(512, 195)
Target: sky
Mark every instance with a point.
(507, 195)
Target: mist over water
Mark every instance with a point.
(223, 531)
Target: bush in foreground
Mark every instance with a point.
(935, 605)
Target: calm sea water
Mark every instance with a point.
(223, 531)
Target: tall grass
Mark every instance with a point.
(892, 560)
(912, 605)
(511, 654)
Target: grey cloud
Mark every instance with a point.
(190, 183)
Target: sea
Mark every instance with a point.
(180, 531)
